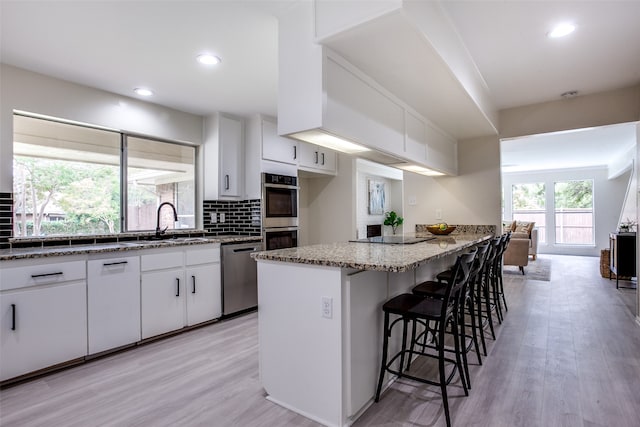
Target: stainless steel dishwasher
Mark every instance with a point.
(239, 277)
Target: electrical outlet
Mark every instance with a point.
(438, 213)
(327, 307)
(214, 217)
(413, 200)
(222, 219)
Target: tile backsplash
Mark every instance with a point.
(232, 217)
(6, 219)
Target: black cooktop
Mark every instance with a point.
(393, 240)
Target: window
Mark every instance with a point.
(69, 179)
(574, 212)
(528, 204)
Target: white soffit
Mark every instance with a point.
(581, 148)
(395, 54)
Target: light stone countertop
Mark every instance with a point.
(376, 256)
(62, 250)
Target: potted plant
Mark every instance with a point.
(391, 218)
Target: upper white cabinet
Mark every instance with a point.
(275, 147)
(315, 158)
(44, 314)
(223, 154)
(415, 147)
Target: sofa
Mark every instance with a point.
(523, 243)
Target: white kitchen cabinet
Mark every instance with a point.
(223, 157)
(315, 158)
(169, 300)
(113, 302)
(275, 147)
(162, 284)
(44, 315)
(204, 288)
(415, 147)
(266, 151)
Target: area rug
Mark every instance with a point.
(540, 269)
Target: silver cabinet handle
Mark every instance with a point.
(226, 182)
(177, 287)
(323, 159)
(194, 284)
(295, 152)
(316, 158)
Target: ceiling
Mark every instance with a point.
(119, 45)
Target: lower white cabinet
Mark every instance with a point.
(163, 305)
(180, 288)
(203, 293)
(113, 302)
(44, 315)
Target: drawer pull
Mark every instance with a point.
(107, 264)
(316, 157)
(295, 152)
(177, 287)
(194, 284)
(13, 317)
(35, 276)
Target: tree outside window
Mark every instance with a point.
(528, 204)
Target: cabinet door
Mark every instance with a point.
(42, 327)
(231, 171)
(277, 148)
(316, 158)
(203, 293)
(113, 296)
(162, 302)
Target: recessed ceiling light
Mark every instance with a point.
(561, 30)
(208, 59)
(143, 92)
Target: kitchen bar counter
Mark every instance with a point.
(321, 322)
(100, 247)
(375, 256)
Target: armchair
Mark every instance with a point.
(523, 243)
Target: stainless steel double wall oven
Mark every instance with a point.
(279, 211)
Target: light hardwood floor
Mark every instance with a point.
(568, 354)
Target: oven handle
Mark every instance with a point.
(276, 229)
(287, 187)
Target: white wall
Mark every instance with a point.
(392, 179)
(23, 90)
(608, 198)
(472, 197)
(327, 205)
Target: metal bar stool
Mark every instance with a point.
(413, 308)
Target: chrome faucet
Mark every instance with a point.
(159, 232)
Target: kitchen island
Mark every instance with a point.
(320, 318)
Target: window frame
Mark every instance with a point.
(123, 165)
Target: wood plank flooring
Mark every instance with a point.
(568, 354)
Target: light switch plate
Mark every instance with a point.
(413, 200)
(214, 217)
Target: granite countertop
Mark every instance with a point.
(376, 256)
(129, 245)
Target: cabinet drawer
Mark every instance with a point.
(162, 260)
(203, 255)
(20, 274)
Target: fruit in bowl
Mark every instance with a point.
(440, 229)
